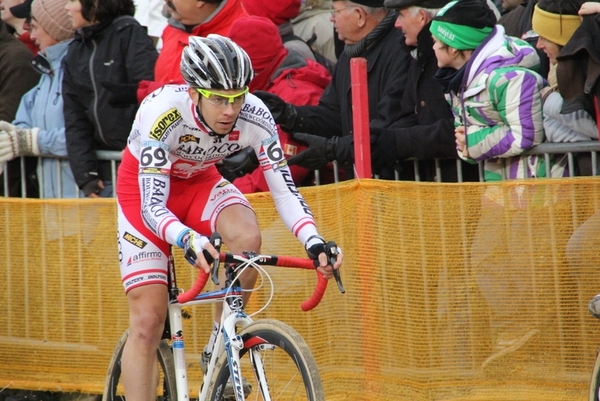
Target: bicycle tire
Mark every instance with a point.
(290, 367)
(595, 380)
(113, 391)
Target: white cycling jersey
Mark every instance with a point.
(169, 139)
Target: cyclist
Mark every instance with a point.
(169, 191)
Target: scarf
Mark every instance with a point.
(373, 37)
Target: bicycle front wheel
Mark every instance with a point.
(288, 367)
(166, 390)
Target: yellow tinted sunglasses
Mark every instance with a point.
(219, 99)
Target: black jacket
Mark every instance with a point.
(425, 128)
(17, 76)
(115, 51)
(387, 63)
(578, 69)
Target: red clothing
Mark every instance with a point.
(174, 40)
(26, 39)
(301, 85)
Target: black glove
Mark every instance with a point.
(322, 151)
(91, 187)
(122, 95)
(239, 164)
(284, 113)
(383, 149)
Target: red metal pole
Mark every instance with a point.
(360, 117)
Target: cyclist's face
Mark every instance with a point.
(219, 112)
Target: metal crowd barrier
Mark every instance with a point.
(573, 150)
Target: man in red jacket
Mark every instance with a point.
(283, 72)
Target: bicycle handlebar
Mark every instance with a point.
(263, 260)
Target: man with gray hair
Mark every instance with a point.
(425, 128)
(367, 29)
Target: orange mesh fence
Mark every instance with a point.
(454, 291)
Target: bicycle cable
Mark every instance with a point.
(250, 263)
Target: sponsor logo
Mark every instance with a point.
(289, 182)
(152, 170)
(134, 240)
(279, 165)
(143, 256)
(290, 149)
(215, 151)
(133, 281)
(269, 141)
(222, 193)
(258, 111)
(237, 380)
(222, 184)
(177, 340)
(188, 138)
(163, 122)
(234, 135)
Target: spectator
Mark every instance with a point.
(509, 5)
(281, 71)
(15, 14)
(314, 26)
(555, 21)
(497, 105)
(425, 128)
(16, 79)
(192, 18)
(149, 14)
(187, 18)
(281, 13)
(367, 28)
(110, 49)
(517, 23)
(577, 81)
(39, 126)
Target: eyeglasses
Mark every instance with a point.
(334, 11)
(221, 100)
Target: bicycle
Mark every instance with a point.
(268, 350)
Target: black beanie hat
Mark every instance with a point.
(473, 13)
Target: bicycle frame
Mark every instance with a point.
(233, 319)
(227, 338)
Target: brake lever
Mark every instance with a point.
(331, 250)
(215, 241)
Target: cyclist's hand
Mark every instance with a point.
(317, 252)
(198, 250)
(325, 268)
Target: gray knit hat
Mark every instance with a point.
(52, 16)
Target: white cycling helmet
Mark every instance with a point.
(215, 62)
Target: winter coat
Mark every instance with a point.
(117, 51)
(17, 75)
(300, 82)
(387, 64)
(425, 128)
(16, 78)
(314, 22)
(175, 38)
(42, 107)
(501, 106)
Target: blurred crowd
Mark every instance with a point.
(74, 73)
